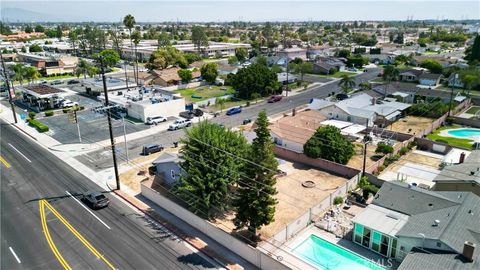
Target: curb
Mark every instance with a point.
(25, 132)
(167, 225)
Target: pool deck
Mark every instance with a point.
(347, 244)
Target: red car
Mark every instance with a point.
(274, 99)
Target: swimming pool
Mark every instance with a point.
(328, 256)
(465, 132)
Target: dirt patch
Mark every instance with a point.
(411, 124)
(415, 158)
(356, 161)
(294, 199)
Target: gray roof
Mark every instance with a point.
(166, 158)
(462, 172)
(430, 76)
(457, 213)
(432, 259)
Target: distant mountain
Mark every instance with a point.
(23, 15)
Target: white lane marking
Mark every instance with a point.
(68, 193)
(19, 152)
(14, 255)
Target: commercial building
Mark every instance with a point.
(50, 64)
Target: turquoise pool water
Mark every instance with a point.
(465, 132)
(328, 256)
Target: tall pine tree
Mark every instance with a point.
(208, 172)
(255, 202)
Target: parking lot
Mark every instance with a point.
(93, 127)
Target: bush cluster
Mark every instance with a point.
(369, 189)
(31, 115)
(48, 113)
(38, 125)
(337, 200)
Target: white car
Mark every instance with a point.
(153, 120)
(68, 103)
(180, 123)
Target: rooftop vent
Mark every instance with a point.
(436, 222)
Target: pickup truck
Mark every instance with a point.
(180, 123)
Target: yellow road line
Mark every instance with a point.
(5, 162)
(57, 254)
(78, 235)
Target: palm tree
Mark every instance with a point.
(136, 36)
(365, 86)
(31, 74)
(129, 22)
(82, 68)
(18, 73)
(346, 83)
(390, 73)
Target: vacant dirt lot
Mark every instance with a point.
(294, 199)
(411, 124)
(415, 158)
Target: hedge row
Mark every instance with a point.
(48, 113)
(41, 127)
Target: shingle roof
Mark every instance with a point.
(167, 157)
(462, 172)
(432, 259)
(457, 213)
(298, 128)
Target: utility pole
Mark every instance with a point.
(286, 91)
(109, 120)
(10, 98)
(366, 140)
(451, 94)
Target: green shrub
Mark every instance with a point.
(337, 200)
(411, 145)
(48, 113)
(363, 182)
(41, 127)
(81, 108)
(31, 115)
(369, 189)
(381, 168)
(248, 104)
(403, 151)
(384, 148)
(66, 110)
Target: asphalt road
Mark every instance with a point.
(102, 159)
(38, 217)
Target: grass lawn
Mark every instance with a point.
(473, 110)
(455, 142)
(431, 52)
(205, 92)
(229, 104)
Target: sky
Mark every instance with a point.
(249, 10)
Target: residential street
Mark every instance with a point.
(101, 159)
(41, 223)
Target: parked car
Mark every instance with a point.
(180, 123)
(153, 120)
(235, 110)
(274, 99)
(73, 82)
(56, 82)
(352, 69)
(341, 96)
(187, 115)
(197, 112)
(247, 121)
(68, 103)
(44, 82)
(95, 199)
(151, 148)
